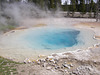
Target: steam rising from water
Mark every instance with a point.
(28, 15)
(19, 13)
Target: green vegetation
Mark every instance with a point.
(73, 7)
(8, 67)
(8, 25)
(5, 28)
(92, 7)
(82, 7)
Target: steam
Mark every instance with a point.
(24, 14)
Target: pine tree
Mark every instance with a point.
(34, 1)
(42, 3)
(73, 2)
(82, 7)
(87, 5)
(66, 8)
(94, 9)
(52, 4)
(58, 4)
(77, 4)
(91, 7)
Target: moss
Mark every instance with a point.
(7, 66)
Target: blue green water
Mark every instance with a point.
(51, 38)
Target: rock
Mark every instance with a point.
(50, 57)
(66, 72)
(71, 65)
(54, 55)
(96, 45)
(57, 67)
(53, 65)
(48, 68)
(74, 72)
(62, 67)
(56, 60)
(61, 70)
(66, 66)
(45, 64)
(11, 73)
(27, 61)
(52, 60)
(34, 61)
(65, 62)
(43, 60)
(41, 56)
(38, 62)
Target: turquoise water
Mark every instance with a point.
(51, 38)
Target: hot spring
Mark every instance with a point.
(51, 39)
(27, 43)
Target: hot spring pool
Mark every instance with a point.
(30, 43)
(52, 39)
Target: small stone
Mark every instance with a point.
(74, 72)
(53, 65)
(38, 62)
(24, 62)
(41, 56)
(54, 55)
(65, 62)
(29, 61)
(48, 68)
(56, 60)
(66, 66)
(43, 60)
(11, 73)
(44, 65)
(66, 72)
(52, 60)
(71, 65)
(61, 70)
(62, 67)
(34, 61)
(57, 67)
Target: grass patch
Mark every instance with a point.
(5, 28)
(8, 67)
